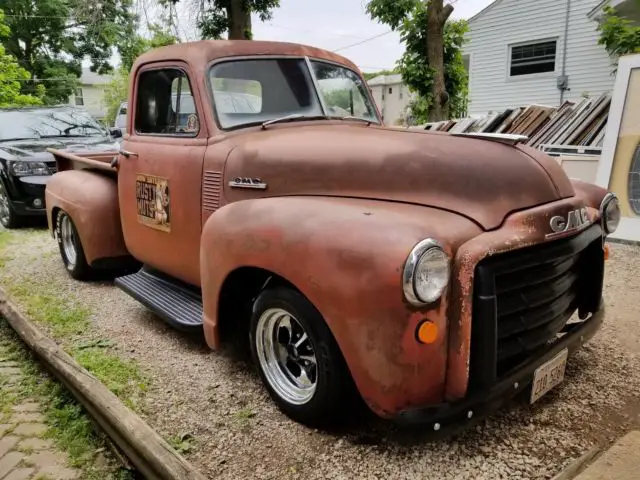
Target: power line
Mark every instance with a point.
(363, 41)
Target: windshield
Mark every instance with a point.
(47, 122)
(252, 91)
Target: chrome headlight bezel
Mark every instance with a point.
(33, 169)
(411, 267)
(609, 201)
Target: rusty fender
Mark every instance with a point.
(91, 200)
(521, 229)
(346, 256)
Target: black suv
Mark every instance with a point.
(26, 166)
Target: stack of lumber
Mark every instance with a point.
(581, 123)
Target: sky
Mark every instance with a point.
(334, 24)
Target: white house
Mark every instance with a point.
(391, 96)
(90, 92)
(538, 51)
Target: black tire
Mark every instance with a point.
(78, 268)
(8, 217)
(335, 391)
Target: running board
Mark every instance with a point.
(178, 304)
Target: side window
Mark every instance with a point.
(165, 105)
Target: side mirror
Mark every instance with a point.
(115, 132)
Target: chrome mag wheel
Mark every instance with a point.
(286, 356)
(68, 239)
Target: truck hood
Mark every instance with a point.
(36, 149)
(481, 179)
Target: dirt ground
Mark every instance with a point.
(238, 433)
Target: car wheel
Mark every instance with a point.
(298, 359)
(8, 218)
(71, 249)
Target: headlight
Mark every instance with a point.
(21, 169)
(426, 273)
(610, 213)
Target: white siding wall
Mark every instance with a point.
(515, 21)
(93, 100)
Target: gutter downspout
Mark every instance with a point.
(564, 48)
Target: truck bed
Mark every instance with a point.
(84, 159)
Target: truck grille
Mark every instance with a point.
(524, 298)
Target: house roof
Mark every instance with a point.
(385, 80)
(91, 78)
(485, 10)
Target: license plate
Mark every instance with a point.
(549, 375)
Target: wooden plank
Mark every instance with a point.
(149, 452)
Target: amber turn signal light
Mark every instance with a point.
(427, 332)
(606, 252)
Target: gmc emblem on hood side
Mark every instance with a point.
(575, 220)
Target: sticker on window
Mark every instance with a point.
(153, 202)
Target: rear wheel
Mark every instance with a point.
(298, 359)
(71, 249)
(8, 217)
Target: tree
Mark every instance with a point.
(233, 17)
(50, 38)
(369, 75)
(11, 76)
(618, 35)
(432, 63)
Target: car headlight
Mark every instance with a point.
(610, 213)
(21, 169)
(426, 273)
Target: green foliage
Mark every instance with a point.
(368, 76)
(409, 18)
(12, 75)
(618, 35)
(50, 38)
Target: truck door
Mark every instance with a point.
(160, 171)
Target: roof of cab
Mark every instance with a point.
(204, 51)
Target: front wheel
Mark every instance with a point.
(298, 359)
(71, 249)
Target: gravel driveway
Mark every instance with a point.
(238, 433)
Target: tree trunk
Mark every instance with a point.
(437, 15)
(239, 21)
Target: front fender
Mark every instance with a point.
(346, 256)
(91, 200)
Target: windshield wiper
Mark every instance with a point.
(293, 117)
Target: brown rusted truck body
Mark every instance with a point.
(334, 209)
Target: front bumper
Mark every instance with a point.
(447, 417)
(28, 190)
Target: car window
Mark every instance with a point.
(165, 105)
(342, 91)
(253, 91)
(48, 123)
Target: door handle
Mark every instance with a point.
(126, 153)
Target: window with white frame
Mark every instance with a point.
(535, 57)
(79, 97)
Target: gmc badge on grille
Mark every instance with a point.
(575, 220)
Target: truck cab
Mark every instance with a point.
(258, 193)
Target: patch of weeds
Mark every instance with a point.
(183, 443)
(64, 318)
(244, 414)
(122, 377)
(100, 343)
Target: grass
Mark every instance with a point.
(69, 427)
(183, 443)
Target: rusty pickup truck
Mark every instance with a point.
(257, 191)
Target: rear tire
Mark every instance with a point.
(298, 359)
(8, 217)
(71, 249)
